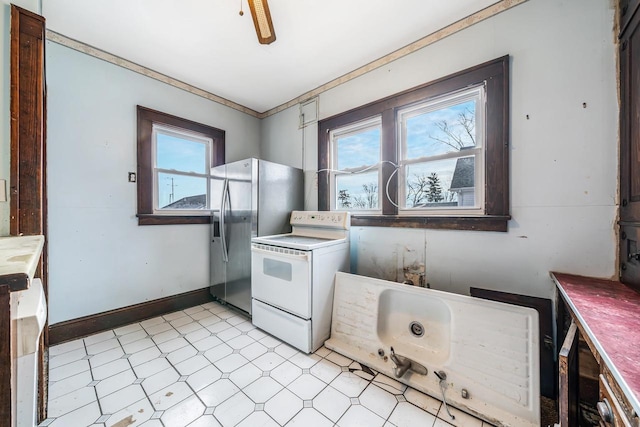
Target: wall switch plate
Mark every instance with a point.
(132, 177)
(3, 190)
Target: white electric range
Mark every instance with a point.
(292, 277)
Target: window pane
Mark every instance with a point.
(180, 154)
(181, 192)
(357, 191)
(442, 183)
(441, 131)
(358, 149)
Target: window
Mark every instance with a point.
(435, 156)
(174, 159)
(356, 177)
(440, 143)
(180, 170)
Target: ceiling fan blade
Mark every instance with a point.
(262, 21)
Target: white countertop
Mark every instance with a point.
(19, 258)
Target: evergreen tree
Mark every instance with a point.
(434, 194)
(344, 198)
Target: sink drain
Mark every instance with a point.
(416, 329)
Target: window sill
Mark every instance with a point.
(469, 223)
(152, 219)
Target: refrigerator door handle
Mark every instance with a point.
(223, 231)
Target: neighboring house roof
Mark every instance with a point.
(464, 174)
(189, 202)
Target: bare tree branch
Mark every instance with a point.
(417, 190)
(458, 139)
(468, 121)
(370, 199)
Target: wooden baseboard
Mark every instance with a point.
(83, 326)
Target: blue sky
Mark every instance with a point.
(183, 155)
(359, 150)
(422, 129)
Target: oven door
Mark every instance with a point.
(282, 278)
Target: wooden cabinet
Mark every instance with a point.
(629, 51)
(603, 315)
(610, 406)
(568, 374)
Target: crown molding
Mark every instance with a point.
(137, 68)
(434, 37)
(457, 26)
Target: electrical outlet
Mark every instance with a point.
(3, 190)
(132, 177)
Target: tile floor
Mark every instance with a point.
(209, 366)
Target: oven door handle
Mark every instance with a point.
(299, 255)
(223, 211)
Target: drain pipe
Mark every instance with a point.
(443, 377)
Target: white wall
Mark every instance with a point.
(5, 82)
(283, 141)
(563, 159)
(100, 259)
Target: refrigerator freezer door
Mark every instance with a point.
(239, 218)
(218, 267)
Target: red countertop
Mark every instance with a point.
(610, 314)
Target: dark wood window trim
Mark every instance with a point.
(146, 119)
(495, 75)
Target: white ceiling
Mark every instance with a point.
(207, 44)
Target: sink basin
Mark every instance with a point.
(419, 328)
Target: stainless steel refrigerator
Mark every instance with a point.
(249, 198)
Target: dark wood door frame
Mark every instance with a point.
(28, 205)
(629, 78)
